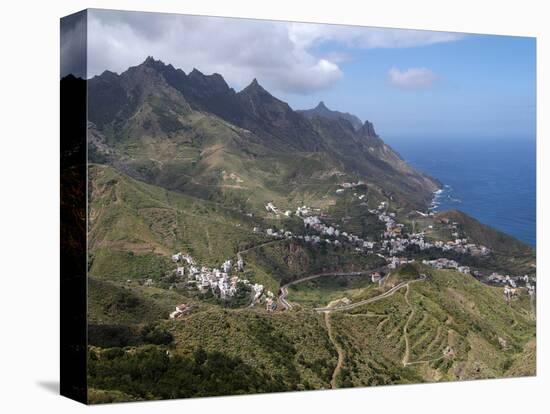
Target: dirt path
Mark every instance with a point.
(284, 289)
(339, 350)
(327, 311)
(240, 257)
(406, 356)
(283, 300)
(386, 294)
(208, 241)
(366, 315)
(258, 246)
(405, 328)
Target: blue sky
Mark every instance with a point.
(409, 83)
(485, 86)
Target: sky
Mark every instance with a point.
(409, 83)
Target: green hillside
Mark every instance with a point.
(455, 328)
(134, 227)
(309, 258)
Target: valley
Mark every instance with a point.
(238, 246)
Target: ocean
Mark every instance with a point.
(491, 180)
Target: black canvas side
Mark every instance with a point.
(73, 119)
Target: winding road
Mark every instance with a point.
(240, 257)
(405, 330)
(284, 289)
(239, 253)
(386, 294)
(339, 351)
(327, 311)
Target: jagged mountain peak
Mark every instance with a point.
(107, 74)
(367, 129)
(214, 83)
(262, 98)
(321, 105)
(322, 110)
(155, 99)
(254, 87)
(151, 62)
(195, 72)
(159, 65)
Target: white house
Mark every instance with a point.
(226, 266)
(368, 245)
(375, 277)
(271, 207)
(258, 290)
(180, 310)
(187, 258)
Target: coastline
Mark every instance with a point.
(492, 180)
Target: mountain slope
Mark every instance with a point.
(458, 327)
(322, 111)
(181, 131)
(183, 163)
(449, 327)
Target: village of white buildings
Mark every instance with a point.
(393, 241)
(224, 282)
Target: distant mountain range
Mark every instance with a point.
(198, 117)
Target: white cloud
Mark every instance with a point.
(307, 35)
(238, 49)
(282, 56)
(412, 78)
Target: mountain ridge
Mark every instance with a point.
(159, 102)
(166, 175)
(322, 110)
